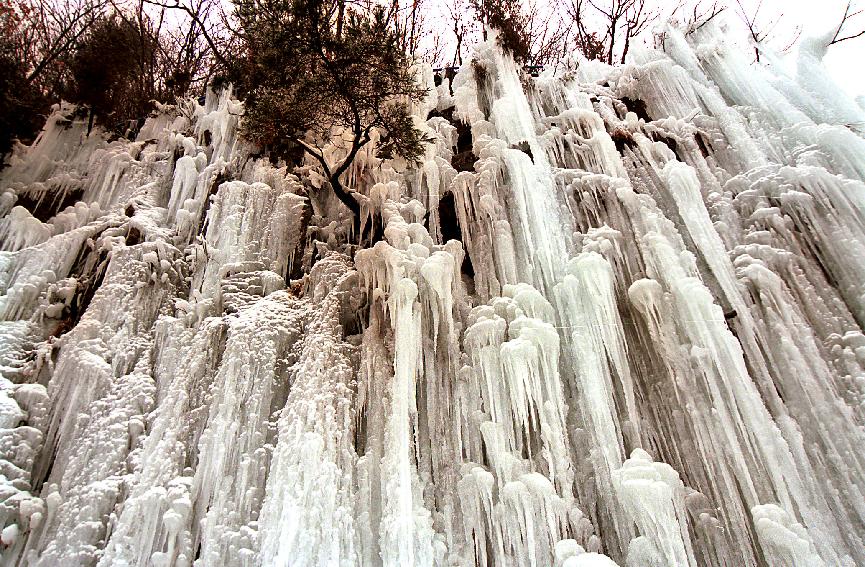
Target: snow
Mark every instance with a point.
(640, 345)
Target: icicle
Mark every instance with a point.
(307, 516)
(652, 495)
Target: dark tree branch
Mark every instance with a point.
(195, 18)
(845, 19)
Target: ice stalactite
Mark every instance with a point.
(307, 517)
(613, 317)
(183, 372)
(599, 357)
(100, 391)
(652, 494)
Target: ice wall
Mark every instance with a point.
(614, 317)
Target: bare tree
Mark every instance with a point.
(207, 20)
(416, 33)
(53, 30)
(407, 22)
(433, 45)
(763, 28)
(623, 20)
(192, 49)
(842, 34)
(699, 14)
(548, 35)
(21, 102)
(576, 11)
(462, 26)
(690, 17)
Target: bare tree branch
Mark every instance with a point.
(57, 28)
(848, 16)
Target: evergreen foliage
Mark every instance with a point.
(22, 105)
(312, 65)
(111, 71)
(506, 17)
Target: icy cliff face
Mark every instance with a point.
(615, 318)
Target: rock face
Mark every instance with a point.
(615, 318)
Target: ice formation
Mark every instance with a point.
(613, 318)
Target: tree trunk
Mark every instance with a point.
(349, 201)
(340, 15)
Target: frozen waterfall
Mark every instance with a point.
(613, 318)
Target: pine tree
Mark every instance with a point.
(111, 71)
(311, 65)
